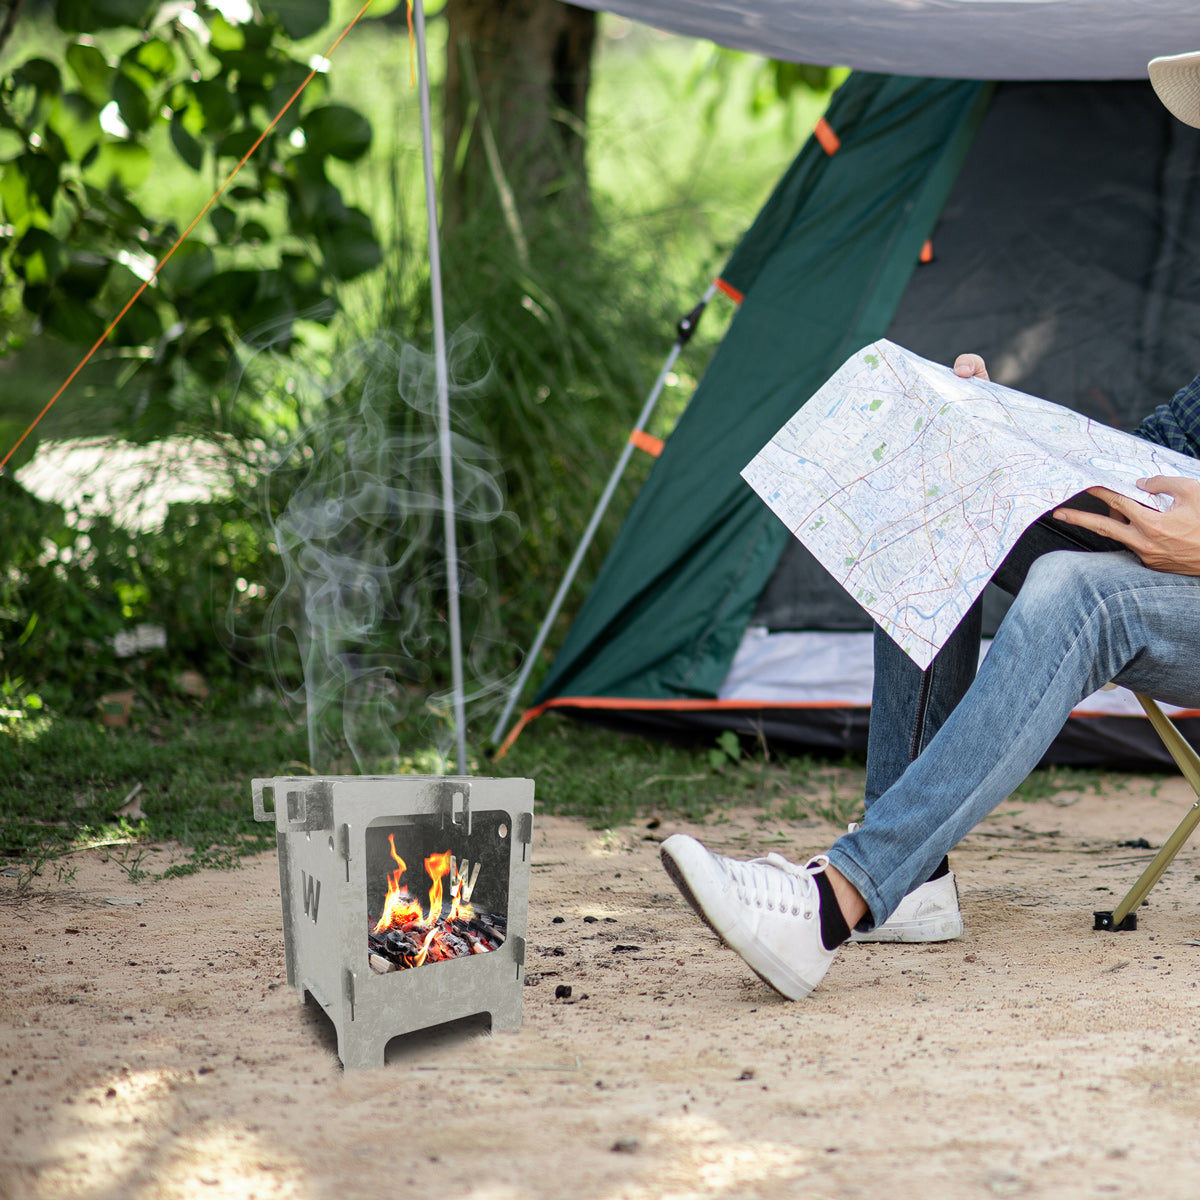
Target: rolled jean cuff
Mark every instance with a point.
(865, 887)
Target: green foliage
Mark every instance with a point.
(66, 592)
(728, 751)
(82, 127)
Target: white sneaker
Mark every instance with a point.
(768, 910)
(929, 913)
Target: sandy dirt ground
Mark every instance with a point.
(152, 1048)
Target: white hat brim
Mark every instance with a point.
(1176, 79)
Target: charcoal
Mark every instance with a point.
(483, 928)
(457, 944)
(403, 944)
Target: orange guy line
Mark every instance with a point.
(182, 238)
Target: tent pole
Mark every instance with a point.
(443, 398)
(685, 329)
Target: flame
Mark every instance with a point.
(436, 865)
(401, 909)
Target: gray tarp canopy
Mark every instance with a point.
(953, 39)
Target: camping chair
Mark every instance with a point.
(1124, 916)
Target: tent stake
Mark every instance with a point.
(443, 398)
(685, 329)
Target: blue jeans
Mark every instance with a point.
(944, 751)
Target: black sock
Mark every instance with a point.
(834, 930)
(943, 868)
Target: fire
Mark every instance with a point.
(403, 911)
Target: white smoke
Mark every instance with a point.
(357, 630)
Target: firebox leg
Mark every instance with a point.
(507, 1014)
(359, 1052)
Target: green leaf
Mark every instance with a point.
(238, 143)
(209, 355)
(224, 221)
(76, 121)
(337, 130)
(227, 294)
(730, 745)
(72, 320)
(92, 69)
(225, 36)
(187, 269)
(40, 74)
(140, 326)
(132, 101)
(11, 144)
(299, 18)
(187, 147)
(124, 163)
(85, 274)
(87, 16)
(216, 104)
(28, 186)
(349, 246)
(17, 204)
(313, 201)
(154, 56)
(288, 79)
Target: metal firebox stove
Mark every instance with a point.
(405, 899)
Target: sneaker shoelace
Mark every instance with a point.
(777, 885)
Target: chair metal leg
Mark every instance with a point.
(1124, 916)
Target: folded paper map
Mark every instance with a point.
(910, 485)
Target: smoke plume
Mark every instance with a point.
(357, 630)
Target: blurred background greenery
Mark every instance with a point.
(140, 582)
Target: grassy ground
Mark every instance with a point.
(64, 782)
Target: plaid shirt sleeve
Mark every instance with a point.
(1176, 424)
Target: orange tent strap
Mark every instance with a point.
(830, 142)
(528, 715)
(729, 290)
(646, 441)
(927, 251)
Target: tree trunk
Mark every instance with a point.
(516, 109)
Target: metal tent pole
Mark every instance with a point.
(443, 396)
(684, 331)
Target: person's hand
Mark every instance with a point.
(1164, 541)
(970, 366)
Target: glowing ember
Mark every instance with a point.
(408, 934)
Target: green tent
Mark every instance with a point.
(1053, 227)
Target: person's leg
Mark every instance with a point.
(909, 706)
(1079, 621)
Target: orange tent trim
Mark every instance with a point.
(646, 441)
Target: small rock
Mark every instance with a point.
(626, 1145)
(1005, 1183)
(562, 991)
(557, 921)
(748, 1073)
(590, 920)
